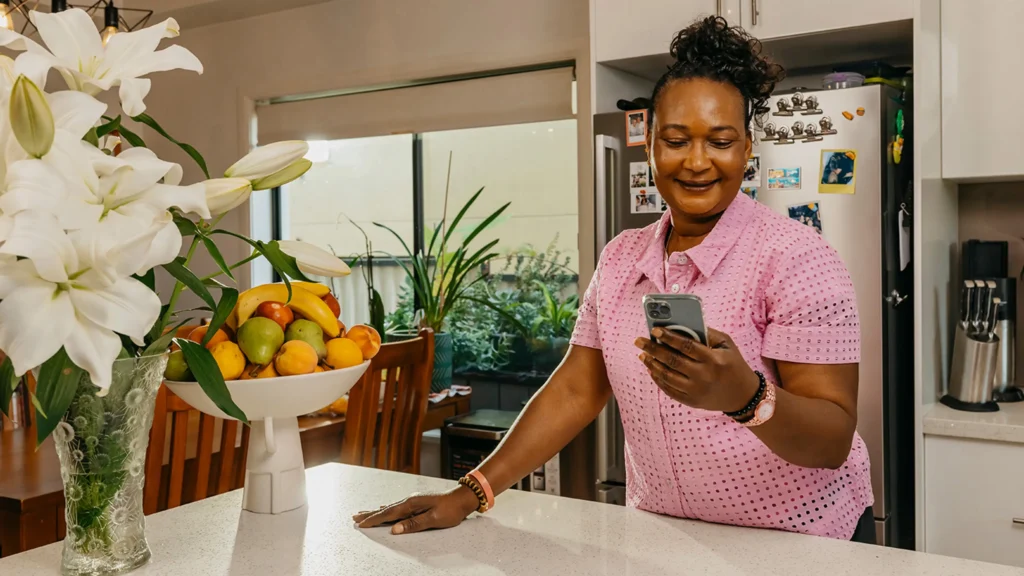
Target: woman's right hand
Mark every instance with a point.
(422, 512)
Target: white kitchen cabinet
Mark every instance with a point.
(974, 504)
(981, 89)
(766, 19)
(632, 28)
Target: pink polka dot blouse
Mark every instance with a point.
(782, 293)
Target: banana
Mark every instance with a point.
(303, 302)
(314, 288)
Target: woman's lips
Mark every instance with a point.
(697, 185)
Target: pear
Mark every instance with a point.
(259, 338)
(308, 332)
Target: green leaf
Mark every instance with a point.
(182, 274)
(185, 226)
(161, 344)
(149, 279)
(377, 312)
(92, 138)
(228, 297)
(211, 247)
(36, 404)
(207, 373)
(285, 265)
(55, 389)
(112, 125)
(214, 283)
(149, 121)
(8, 382)
(131, 137)
(458, 217)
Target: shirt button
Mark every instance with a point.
(681, 259)
(675, 288)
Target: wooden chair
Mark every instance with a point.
(385, 431)
(188, 480)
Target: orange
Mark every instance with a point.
(332, 303)
(254, 371)
(199, 333)
(296, 357)
(367, 338)
(181, 332)
(229, 359)
(343, 353)
(339, 406)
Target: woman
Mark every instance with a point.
(758, 428)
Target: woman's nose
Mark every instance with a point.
(697, 159)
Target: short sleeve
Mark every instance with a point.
(585, 334)
(811, 309)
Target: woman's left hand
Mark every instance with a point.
(712, 377)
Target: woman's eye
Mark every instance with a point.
(721, 143)
(676, 143)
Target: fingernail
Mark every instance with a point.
(642, 357)
(398, 529)
(657, 332)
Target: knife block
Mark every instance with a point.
(972, 373)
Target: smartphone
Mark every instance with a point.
(681, 313)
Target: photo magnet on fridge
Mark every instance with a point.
(750, 191)
(638, 175)
(636, 127)
(809, 213)
(783, 178)
(644, 201)
(838, 172)
(752, 173)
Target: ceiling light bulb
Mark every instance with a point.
(110, 21)
(58, 6)
(107, 33)
(6, 15)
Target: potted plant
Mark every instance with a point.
(85, 222)
(551, 330)
(444, 275)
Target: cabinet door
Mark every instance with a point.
(974, 507)
(981, 89)
(631, 28)
(779, 18)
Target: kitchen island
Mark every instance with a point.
(526, 534)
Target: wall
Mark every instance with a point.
(352, 43)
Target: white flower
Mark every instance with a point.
(31, 119)
(78, 53)
(70, 290)
(226, 194)
(283, 176)
(312, 259)
(267, 160)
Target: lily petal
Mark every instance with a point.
(38, 237)
(190, 199)
(313, 259)
(133, 91)
(128, 307)
(75, 112)
(292, 172)
(266, 160)
(226, 194)
(70, 35)
(93, 349)
(35, 320)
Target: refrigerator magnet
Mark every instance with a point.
(636, 127)
(752, 173)
(809, 214)
(750, 191)
(784, 179)
(644, 201)
(638, 175)
(838, 172)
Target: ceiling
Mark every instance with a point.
(196, 13)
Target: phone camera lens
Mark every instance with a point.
(665, 311)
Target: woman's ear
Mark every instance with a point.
(748, 145)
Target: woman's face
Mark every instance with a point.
(699, 146)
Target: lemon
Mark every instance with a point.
(343, 353)
(229, 359)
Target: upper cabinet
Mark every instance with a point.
(632, 28)
(766, 19)
(981, 89)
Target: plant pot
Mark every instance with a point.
(443, 356)
(101, 444)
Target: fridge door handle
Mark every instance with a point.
(605, 177)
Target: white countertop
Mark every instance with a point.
(526, 534)
(1006, 425)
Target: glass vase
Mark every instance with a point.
(101, 443)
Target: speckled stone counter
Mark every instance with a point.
(526, 535)
(1006, 425)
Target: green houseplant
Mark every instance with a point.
(444, 275)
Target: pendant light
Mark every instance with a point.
(58, 6)
(6, 18)
(110, 22)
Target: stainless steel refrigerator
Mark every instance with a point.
(865, 227)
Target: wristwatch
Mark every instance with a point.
(765, 408)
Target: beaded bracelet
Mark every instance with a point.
(761, 387)
(477, 491)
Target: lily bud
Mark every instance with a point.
(226, 194)
(31, 118)
(313, 259)
(266, 160)
(282, 177)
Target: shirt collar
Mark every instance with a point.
(707, 255)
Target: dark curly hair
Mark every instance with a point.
(710, 48)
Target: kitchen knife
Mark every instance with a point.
(990, 320)
(976, 309)
(965, 304)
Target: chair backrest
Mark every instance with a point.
(384, 430)
(208, 473)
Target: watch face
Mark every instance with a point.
(765, 411)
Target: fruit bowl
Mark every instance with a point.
(275, 475)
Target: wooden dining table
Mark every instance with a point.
(32, 493)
